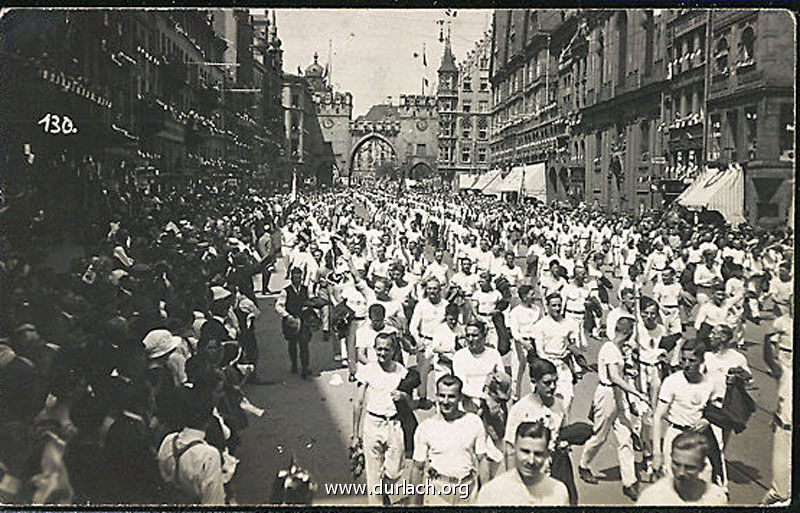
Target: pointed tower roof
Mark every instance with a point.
(273, 32)
(448, 61)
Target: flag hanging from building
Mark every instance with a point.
(424, 58)
(293, 196)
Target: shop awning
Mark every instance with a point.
(511, 182)
(535, 185)
(466, 181)
(718, 189)
(486, 180)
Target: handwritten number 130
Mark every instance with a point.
(55, 124)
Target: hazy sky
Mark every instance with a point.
(373, 49)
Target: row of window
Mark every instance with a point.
(746, 50)
(446, 155)
(447, 129)
(449, 105)
(466, 84)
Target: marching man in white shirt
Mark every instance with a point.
(375, 421)
(575, 295)
(555, 338)
(451, 447)
(428, 314)
(520, 321)
(607, 415)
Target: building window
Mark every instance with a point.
(748, 45)
(483, 106)
(598, 147)
(481, 155)
(466, 106)
(421, 150)
(787, 124)
(465, 155)
(444, 154)
(645, 140)
(444, 128)
(482, 128)
(295, 100)
(466, 127)
(721, 56)
(600, 58)
(751, 126)
(622, 46)
(467, 85)
(484, 84)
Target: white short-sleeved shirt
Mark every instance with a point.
(648, 341)
(484, 260)
(393, 308)
(686, 400)
(662, 493)
(486, 302)
(365, 338)
(451, 448)
(438, 271)
(724, 361)
(575, 298)
(718, 364)
(444, 339)
(400, 294)
(380, 384)
(781, 291)
(549, 284)
(552, 338)
(667, 295)
(530, 408)
(467, 282)
(425, 319)
(474, 369)
(508, 489)
(609, 354)
(514, 275)
(520, 320)
(714, 315)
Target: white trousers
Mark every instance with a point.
(384, 451)
(606, 419)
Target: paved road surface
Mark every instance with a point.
(311, 422)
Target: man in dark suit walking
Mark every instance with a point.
(292, 305)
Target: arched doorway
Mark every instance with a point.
(370, 153)
(420, 170)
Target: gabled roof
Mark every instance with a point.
(380, 112)
(448, 61)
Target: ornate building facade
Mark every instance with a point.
(615, 103)
(464, 95)
(751, 106)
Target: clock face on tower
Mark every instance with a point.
(422, 126)
(327, 123)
